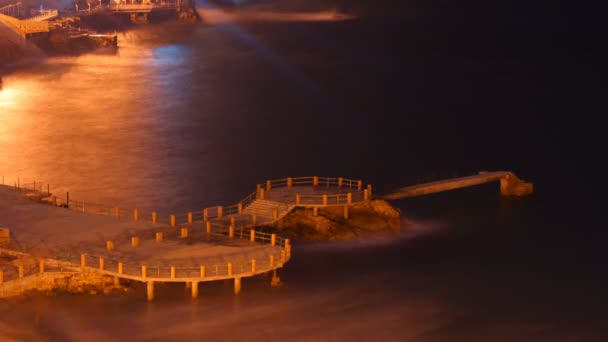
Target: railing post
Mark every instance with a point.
(120, 267)
(268, 185)
(159, 236)
(205, 214)
(232, 220)
(369, 190)
(154, 216)
(297, 199)
(109, 245)
(231, 231)
(340, 182)
(208, 224)
(359, 185)
(365, 195)
(252, 265)
(172, 272)
(258, 188)
(134, 241)
(135, 215)
(83, 261)
(252, 235)
(315, 211)
(116, 212)
(315, 181)
(172, 219)
(262, 194)
(229, 268)
(101, 264)
(272, 261)
(41, 266)
(273, 239)
(349, 198)
(220, 211)
(254, 219)
(184, 232)
(189, 217)
(240, 206)
(324, 199)
(144, 271)
(289, 182)
(202, 271)
(346, 212)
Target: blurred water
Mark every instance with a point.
(182, 118)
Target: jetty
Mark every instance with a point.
(510, 185)
(68, 237)
(92, 243)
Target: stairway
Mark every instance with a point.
(265, 209)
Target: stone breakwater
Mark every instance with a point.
(69, 279)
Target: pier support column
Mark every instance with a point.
(346, 212)
(237, 285)
(150, 290)
(276, 281)
(194, 289)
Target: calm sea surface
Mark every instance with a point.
(185, 117)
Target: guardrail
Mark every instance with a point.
(358, 194)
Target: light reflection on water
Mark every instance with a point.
(92, 124)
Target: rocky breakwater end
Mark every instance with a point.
(370, 219)
(52, 283)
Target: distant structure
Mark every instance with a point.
(138, 10)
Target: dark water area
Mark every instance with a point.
(182, 118)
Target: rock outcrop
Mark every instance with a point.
(366, 219)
